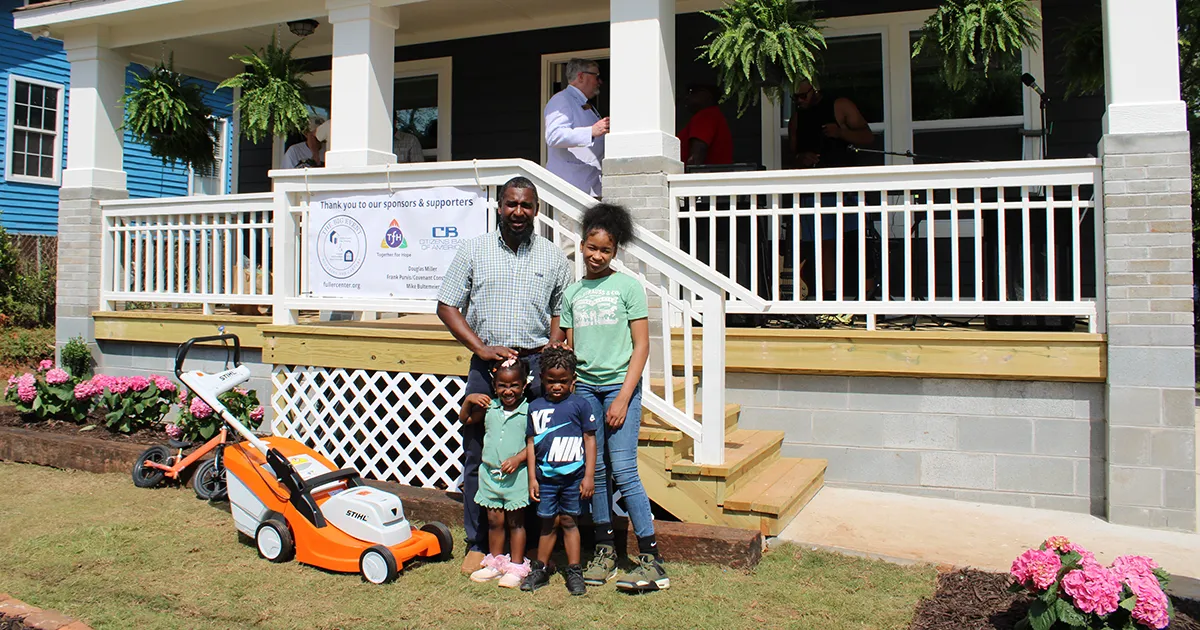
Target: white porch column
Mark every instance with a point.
(642, 80)
(1150, 409)
(93, 174)
(364, 42)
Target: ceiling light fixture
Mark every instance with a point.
(302, 28)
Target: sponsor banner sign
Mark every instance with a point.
(397, 245)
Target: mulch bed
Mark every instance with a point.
(10, 418)
(13, 623)
(976, 600)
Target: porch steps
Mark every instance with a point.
(755, 487)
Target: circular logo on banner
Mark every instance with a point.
(341, 246)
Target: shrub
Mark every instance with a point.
(1073, 590)
(198, 422)
(76, 357)
(134, 402)
(52, 394)
(26, 347)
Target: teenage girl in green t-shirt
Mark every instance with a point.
(604, 317)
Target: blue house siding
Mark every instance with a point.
(28, 208)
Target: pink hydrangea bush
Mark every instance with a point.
(47, 395)
(1073, 590)
(200, 422)
(132, 403)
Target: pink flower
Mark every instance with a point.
(174, 431)
(1094, 589)
(46, 364)
(85, 390)
(1056, 543)
(1036, 568)
(101, 382)
(1088, 558)
(1134, 566)
(240, 390)
(26, 387)
(1151, 608)
(138, 383)
(199, 408)
(163, 383)
(183, 397)
(57, 377)
(256, 414)
(118, 385)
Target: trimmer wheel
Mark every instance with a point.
(209, 481)
(146, 476)
(378, 565)
(444, 537)
(274, 540)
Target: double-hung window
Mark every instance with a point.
(33, 152)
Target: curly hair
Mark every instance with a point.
(558, 357)
(517, 365)
(610, 218)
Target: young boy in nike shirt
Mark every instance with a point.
(562, 465)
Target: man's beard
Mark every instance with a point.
(510, 234)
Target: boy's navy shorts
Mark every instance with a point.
(559, 495)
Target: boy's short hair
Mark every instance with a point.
(558, 357)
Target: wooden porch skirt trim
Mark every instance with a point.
(426, 348)
(1023, 356)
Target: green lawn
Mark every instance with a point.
(96, 548)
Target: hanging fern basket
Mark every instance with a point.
(974, 35)
(168, 114)
(272, 101)
(762, 46)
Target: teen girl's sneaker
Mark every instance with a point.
(602, 567)
(538, 577)
(514, 573)
(648, 575)
(575, 585)
(493, 568)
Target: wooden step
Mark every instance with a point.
(776, 489)
(744, 449)
(655, 429)
(678, 385)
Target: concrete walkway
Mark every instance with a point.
(904, 528)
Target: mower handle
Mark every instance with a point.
(187, 345)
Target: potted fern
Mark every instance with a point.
(762, 45)
(976, 34)
(168, 114)
(272, 99)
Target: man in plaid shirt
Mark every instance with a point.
(501, 298)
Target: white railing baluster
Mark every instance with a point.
(1076, 258)
(977, 213)
(930, 255)
(1051, 280)
(955, 259)
(1027, 243)
(776, 235)
(1002, 243)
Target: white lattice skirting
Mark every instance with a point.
(391, 426)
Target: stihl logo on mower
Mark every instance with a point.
(353, 514)
(225, 376)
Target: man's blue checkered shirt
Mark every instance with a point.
(507, 297)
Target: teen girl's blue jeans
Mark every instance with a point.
(616, 454)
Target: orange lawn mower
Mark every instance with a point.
(158, 463)
(295, 503)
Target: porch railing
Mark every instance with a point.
(188, 250)
(995, 239)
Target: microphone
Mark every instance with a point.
(1031, 83)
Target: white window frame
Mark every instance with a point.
(899, 126)
(442, 67)
(223, 127)
(548, 63)
(58, 133)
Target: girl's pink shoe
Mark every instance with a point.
(514, 573)
(493, 568)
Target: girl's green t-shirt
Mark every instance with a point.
(600, 311)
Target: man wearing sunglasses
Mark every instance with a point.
(574, 130)
(824, 128)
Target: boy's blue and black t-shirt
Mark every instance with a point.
(557, 430)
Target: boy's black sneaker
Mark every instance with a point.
(575, 584)
(538, 577)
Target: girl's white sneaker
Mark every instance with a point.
(493, 568)
(514, 573)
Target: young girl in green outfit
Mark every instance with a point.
(503, 479)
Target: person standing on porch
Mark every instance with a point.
(311, 152)
(575, 131)
(501, 298)
(706, 138)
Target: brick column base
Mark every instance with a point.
(1150, 397)
(79, 240)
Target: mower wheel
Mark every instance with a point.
(274, 540)
(444, 537)
(146, 476)
(378, 565)
(209, 481)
